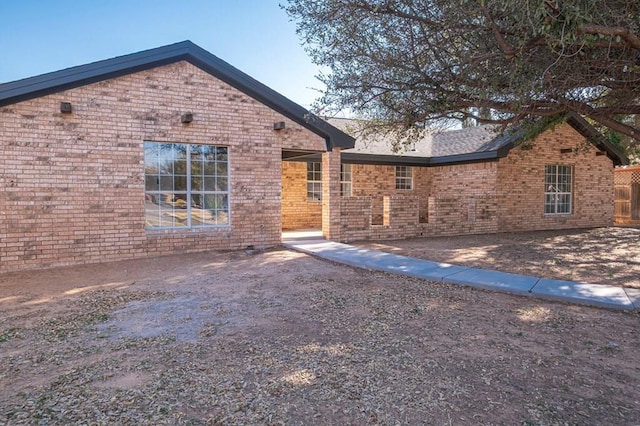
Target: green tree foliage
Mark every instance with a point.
(408, 63)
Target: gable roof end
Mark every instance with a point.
(45, 84)
(597, 139)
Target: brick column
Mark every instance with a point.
(331, 194)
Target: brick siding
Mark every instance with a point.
(379, 181)
(72, 187)
(297, 212)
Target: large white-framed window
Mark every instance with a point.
(404, 177)
(186, 185)
(314, 182)
(558, 182)
(345, 180)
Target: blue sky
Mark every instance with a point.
(256, 36)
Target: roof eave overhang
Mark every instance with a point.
(397, 160)
(58, 81)
(597, 139)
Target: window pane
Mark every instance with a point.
(209, 183)
(209, 153)
(151, 213)
(166, 183)
(180, 151)
(151, 183)
(211, 201)
(221, 169)
(165, 167)
(209, 168)
(180, 183)
(222, 217)
(196, 153)
(180, 167)
(549, 203)
(220, 202)
(345, 189)
(221, 153)
(222, 184)
(212, 217)
(197, 183)
(196, 168)
(564, 203)
(201, 217)
(314, 191)
(166, 217)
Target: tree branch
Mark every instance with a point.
(624, 33)
(509, 51)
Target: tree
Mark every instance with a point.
(412, 63)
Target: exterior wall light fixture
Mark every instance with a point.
(65, 107)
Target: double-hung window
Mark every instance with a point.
(345, 180)
(558, 189)
(186, 185)
(314, 182)
(404, 177)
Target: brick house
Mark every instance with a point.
(174, 150)
(472, 180)
(162, 151)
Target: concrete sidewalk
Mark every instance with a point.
(565, 291)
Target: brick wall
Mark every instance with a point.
(377, 181)
(331, 199)
(297, 212)
(468, 180)
(520, 183)
(355, 218)
(447, 216)
(71, 185)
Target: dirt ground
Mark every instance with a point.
(278, 337)
(598, 256)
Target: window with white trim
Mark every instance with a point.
(314, 182)
(345, 180)
(558, 189)
(186, 186)
(404, 177)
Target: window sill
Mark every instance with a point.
(187, 230)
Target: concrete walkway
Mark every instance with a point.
(565, 291)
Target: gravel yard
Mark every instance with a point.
(278, 337)
(599, 256)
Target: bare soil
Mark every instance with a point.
(278, 337)
(598, 256)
